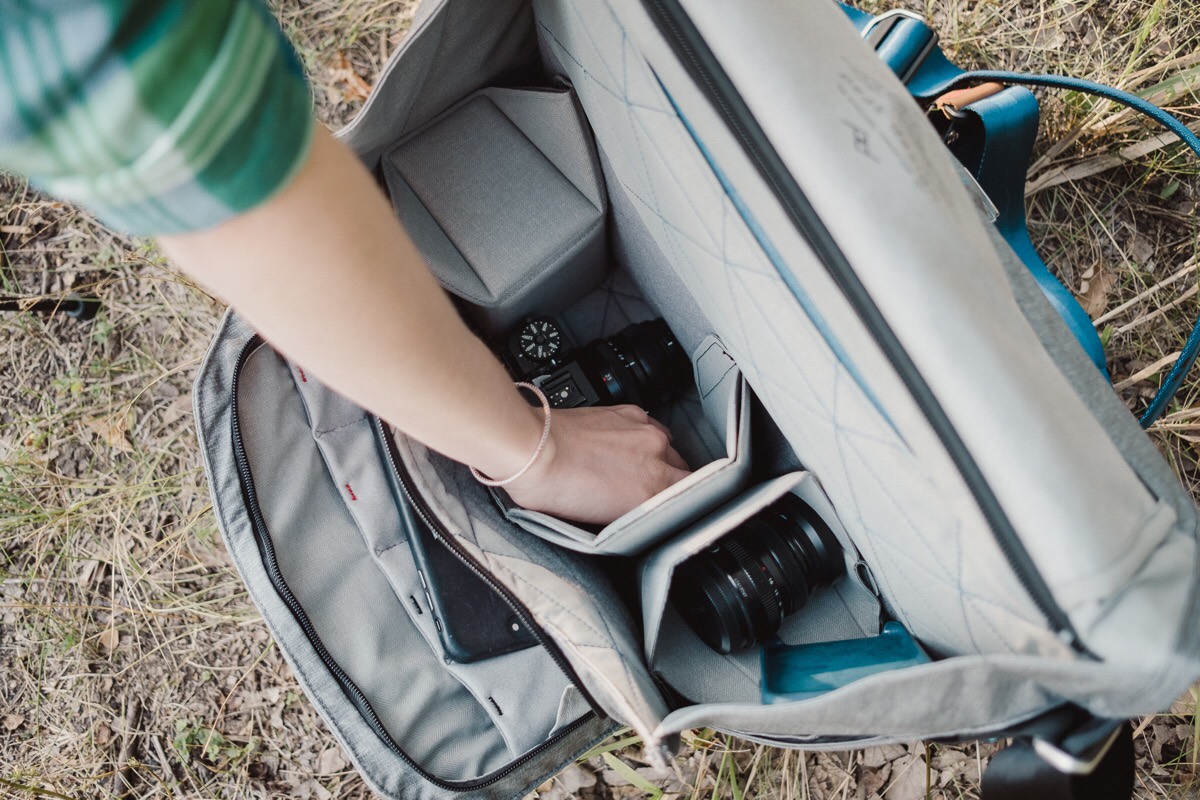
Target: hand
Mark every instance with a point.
(598, 464)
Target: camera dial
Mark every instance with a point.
(540, 340)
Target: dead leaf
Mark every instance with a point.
(103, 735)
(575, 777)
(1095, 292)
(910, 779)
(875, 757)
(873, 780)
(109, 639)
(331, 762)
(13, 721)
(111, 430)
(353, 87)
(86, 570)
(1139, 248)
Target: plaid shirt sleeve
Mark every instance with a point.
(161, 116)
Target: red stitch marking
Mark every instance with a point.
(303, 377)
(353, 496)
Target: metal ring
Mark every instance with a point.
(952, 111)
(889, 15)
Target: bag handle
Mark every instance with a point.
(907, 44)
(1191, 348)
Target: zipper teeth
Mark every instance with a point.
(418, 504)
(671, 19)
(267, 550)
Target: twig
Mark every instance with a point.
(32, 790)
(1158, 312)
(1145, 372)
(122, 782)
(1103, 163)
(1187, 269)
(168, 776)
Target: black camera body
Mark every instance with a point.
(643, 364)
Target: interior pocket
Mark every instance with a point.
(724, 402)
(336, 533)
(518, 691)
(502, 193)
(844, 609)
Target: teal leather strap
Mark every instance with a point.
(994, 139)
(997, 150)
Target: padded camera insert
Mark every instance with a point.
(502, 194)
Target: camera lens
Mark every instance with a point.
(642, 364)
(738, 591)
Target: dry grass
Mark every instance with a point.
(132, 662)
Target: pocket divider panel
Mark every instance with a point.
(503, 196)
(843, 610)
(519, 691)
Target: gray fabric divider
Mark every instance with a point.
(844, 611)
(453, 48)
(502, 194)
(725, 404)
(519, 691)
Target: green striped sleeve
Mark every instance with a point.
(161, 116)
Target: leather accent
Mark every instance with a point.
(952, 102)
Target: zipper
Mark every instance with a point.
(440, 532)
(266, 549)
(693, 52)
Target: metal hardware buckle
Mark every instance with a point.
(888, 16)
(1070, 764)
(878, 29)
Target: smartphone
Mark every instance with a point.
(473, 621)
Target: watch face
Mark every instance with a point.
(540, 340)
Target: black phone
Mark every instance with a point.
(473, 620)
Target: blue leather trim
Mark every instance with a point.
(859, 18)
(776, 259)
(1006, 131)
(905, 43)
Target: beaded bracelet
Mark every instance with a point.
(486, 481)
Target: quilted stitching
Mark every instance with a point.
(617, 645)
(941, 576)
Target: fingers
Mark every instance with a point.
(639, 414)
(675, 460)
(669, 454)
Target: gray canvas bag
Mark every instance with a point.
(757, 177)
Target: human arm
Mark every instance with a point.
(198, 128)
(328, 275)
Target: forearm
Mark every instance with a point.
(325, 272)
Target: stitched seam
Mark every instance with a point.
(317, 434)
